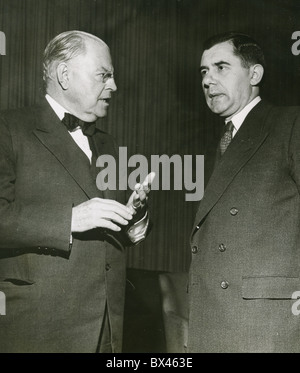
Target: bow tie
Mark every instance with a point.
(72, 122)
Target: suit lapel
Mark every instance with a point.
(244, 145)
(55, 137)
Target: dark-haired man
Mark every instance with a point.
(62, 256)
(245, 240)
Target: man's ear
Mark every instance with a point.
(62, 75)
(257, 72)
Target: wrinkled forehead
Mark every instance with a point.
(96, 56)
(220, 52)
(96, 45)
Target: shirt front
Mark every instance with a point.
(77, 135)
(239, 118)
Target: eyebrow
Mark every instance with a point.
(105, 70)
(215, 64)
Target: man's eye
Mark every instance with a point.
(203, 72)
(105, 76)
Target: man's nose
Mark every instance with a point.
(111, 84)
(208, 79)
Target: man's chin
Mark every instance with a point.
(101, 114)
(97, 114)
(216, 110)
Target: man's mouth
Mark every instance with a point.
(106, 100)
(213, 95)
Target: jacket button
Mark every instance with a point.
(234, 211)
(198, 227)
(194, 249)
(222, 247)
(107, 266)
(224, 284)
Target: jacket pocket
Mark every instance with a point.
(17, 281)
(16, 270)
(269, 287)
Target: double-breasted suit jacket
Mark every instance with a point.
(245, 241)
(55, 294)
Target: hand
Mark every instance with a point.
(140, 195)
(99, 212)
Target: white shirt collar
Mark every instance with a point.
(239, 118)
(58, 109)
(77, 135)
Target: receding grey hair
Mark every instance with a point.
(64, 47)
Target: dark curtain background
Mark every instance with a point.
(159, 107)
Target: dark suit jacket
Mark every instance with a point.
(55, 296)
(245, 241)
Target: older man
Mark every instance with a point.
(245, 241)
(62, 256)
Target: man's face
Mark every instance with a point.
(89, 91)
(225, 82)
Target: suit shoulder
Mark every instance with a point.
(285, 111)
(19, 118)
(284, 118)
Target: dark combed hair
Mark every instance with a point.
(244, 46)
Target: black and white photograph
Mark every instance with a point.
(149, 179)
